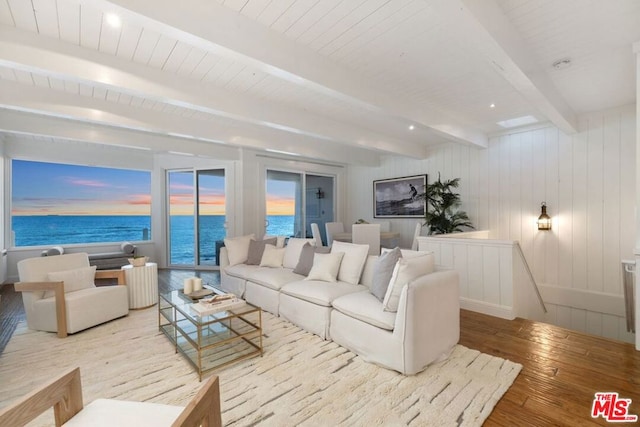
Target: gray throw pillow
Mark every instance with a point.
(256, 249)
(305, 262)
(382, 272)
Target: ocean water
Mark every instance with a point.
(63, 229)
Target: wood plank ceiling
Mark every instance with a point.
(341, 80)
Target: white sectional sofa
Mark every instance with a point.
(415, 324)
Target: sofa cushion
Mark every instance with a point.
(325, 267)
(272, 256)
(383, 271)
(242, 271)
(238, 248)
(405, 271)
(318, 292)
(366, 307)
(256, 249)
(273, 278)
(74, 280)
(292, 251)
(367, 271)
(306, 257)
(353, 261)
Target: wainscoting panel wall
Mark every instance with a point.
(588, 183)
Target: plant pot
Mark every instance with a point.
(139, 262)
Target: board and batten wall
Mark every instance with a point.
(588, 182)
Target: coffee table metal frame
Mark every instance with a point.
(213, 341)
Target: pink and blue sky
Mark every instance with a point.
(40, 188)
(57, 189)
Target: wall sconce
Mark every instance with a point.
(319, 193)
(544, 220)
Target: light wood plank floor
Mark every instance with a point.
(562, 369)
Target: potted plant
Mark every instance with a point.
(138, 260)
(442, 214)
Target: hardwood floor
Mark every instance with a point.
(562, 369)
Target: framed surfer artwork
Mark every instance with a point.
(398, 197)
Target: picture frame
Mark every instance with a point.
(395, 197)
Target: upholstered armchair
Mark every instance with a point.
(59, 293)
(64, 394)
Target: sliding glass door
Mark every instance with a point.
(294, 200)
(197, 216)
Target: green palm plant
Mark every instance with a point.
(442, 214)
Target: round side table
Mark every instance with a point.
(142, 283)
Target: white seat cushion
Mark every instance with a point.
(274, 278)
(318, 292)
(366, 307)
(109, 412)
(242, 271)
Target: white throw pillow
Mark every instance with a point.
(325, 267)
(238, 248)
(272, 256)
(292, 251)
(405, 271)
(353, 262)
(74, 280)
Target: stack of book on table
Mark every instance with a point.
(216, 303)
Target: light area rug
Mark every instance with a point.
(300, 380)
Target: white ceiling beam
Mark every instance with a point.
(214, 27)
(486, 31)
(212, 133)
(30, 52)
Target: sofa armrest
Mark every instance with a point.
(112, 274)
(428, 319)
(61, 305)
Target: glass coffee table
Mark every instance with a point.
(212, 341)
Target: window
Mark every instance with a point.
(56, 204)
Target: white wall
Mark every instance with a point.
(451, 161)
(588, 182)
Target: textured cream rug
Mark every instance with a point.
(300, 380)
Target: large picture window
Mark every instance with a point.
(56, 204)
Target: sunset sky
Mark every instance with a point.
(49, 188)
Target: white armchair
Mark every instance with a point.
(59, 294)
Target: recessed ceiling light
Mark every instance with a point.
(113, 20)
(492, 105)
(411, 127)
(518, 121)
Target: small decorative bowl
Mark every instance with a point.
(139, 261)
